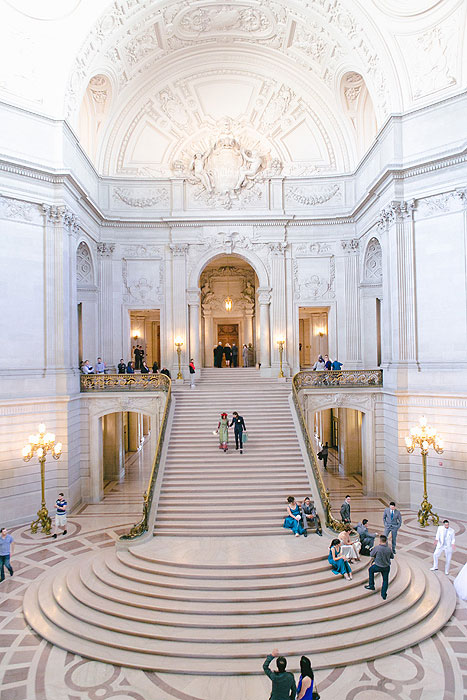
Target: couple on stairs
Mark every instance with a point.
(223, 431)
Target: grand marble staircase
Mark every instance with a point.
(208, 492)
(222, 583)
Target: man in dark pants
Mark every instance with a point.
(309, 515)
(345, 511)
(234, 362)
(218, 354)
(324, 455)
(283, 682)
(381, 556)
(239, 424)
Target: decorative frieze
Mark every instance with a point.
(315, 248)
(142, 199)
(351, 246)
(313, 196)
(105, 250)
(179, 249)
(397, 210)
(16, 209)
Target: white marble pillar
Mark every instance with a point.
(264, 301)
(398, 220)
(146, 425)
(352, 306)
(248, 329)
(105, 348)
(279, 327)
(208, 340)
(113, 452)
(194, 302)
(133, 432)
(179, 305)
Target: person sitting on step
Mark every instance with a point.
(294, 517)
(366, 538)
(350, 550)
(310, 517)
(337, 561)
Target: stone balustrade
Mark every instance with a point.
(124, 382)
(310, 379)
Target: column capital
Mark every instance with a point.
(193, 296)
(264, 295)
(395, 212)
(105, 250)
(179, 249)
(60, 214)
(277, 248)
(351, 245)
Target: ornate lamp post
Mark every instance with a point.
(41, 443)
(281, 343)
(178, 345)
(424, 437)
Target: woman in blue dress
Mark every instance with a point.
(293, 520)
(306, 680)
(337, 561)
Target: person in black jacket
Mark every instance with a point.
(345, 511)
(165, 371)
(155, 367)
(283, 682)
(234, 355)
(239, 427)
(121, 367)
(227, 354)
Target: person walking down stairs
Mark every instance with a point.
(223, 432)
(239, 424)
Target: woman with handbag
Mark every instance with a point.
(337, 561)
(306, 681)
(223, 432)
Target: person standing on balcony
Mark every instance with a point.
(86, 368)
(336, 366)
(155, 367)
(319, 364)
(192, 369)
(100, 366)
(234, 355)
(392, 520)
(144, 368)
(137, 357)
(327, 363)
(121, 367)
(130, 368)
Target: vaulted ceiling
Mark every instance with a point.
(305, 83)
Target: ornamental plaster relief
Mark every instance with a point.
(314, 248)
(359, 401)
(313, 196)
(314, 278)
(143, 281)
(18, 210)
(431, 57)
(142, 198)
(441, 204)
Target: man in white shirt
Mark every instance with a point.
(445, 540)
(100, 366)
(86, 369)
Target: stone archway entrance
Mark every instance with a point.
(228, 286)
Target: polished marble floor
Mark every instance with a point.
(32, 669)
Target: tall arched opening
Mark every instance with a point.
(228, 299)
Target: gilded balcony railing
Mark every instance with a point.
(348, 378)
(124, 382)
(323, 492)
(164, 384)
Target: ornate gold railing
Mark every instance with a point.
(323, 492)
(141, 527)
(124, 382)
(348, 378)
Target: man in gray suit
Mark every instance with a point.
(392, 520)
(345, 511)
(283, 682)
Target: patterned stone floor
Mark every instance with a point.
(32, 669)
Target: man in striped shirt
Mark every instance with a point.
(60, 515)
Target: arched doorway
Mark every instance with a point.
(228, 289)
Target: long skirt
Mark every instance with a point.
(339, 567)
(294, 525)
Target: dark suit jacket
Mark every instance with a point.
(239, 423)
(345, 512)
(283, 684)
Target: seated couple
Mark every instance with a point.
(301, 516)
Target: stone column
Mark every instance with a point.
(264, 301)
(248, 329)
(398, 221)
(179, 305)
(278, 305)
(105, 331)
(146, 425)
(208, 340)
(352, 305)
(113, 452)
(133, 432)
(194, 301)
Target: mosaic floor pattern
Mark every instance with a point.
(32, 669)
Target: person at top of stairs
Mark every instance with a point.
(223, 432)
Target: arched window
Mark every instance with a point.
(84, 266)
(373, 263)
(358, 105)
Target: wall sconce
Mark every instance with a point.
(178, 344)
(135, 336)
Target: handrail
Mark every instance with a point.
(331, 522)
(142, 526)
(123, 382)
(310, 379)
